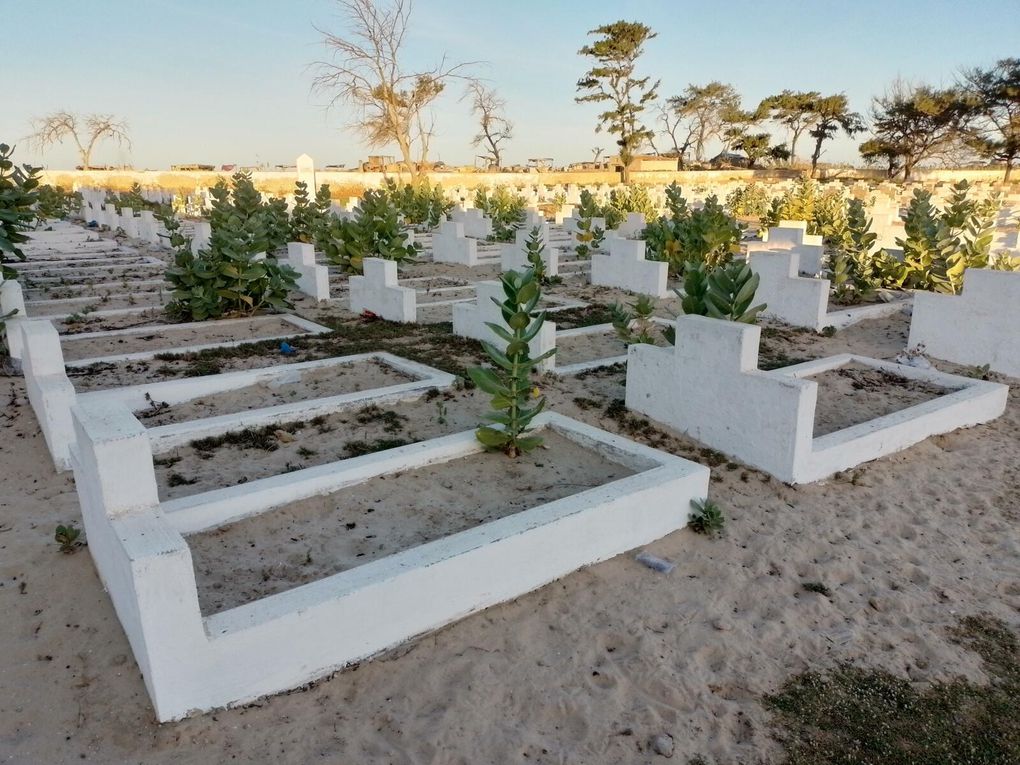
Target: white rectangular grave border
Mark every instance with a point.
(192, 663)
(768, 417)
(593, 329)
(307, 327)
(166, 437)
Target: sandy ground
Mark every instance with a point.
(314, 538)
(81, 347)
(585, 670)
(855, 393)
(299, 385)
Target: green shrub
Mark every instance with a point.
(505, 208)
(56, 202)
(233, 276)
(374, 232)
(723, 292)
(309, 215)
(749, 201)
(634, 324)
(419, 204)
(939, 246)
(18, 193)
(707, 235)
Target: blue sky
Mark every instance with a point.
(223, 81)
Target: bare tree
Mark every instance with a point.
(366, 72)
(85, 130)
(495, 127)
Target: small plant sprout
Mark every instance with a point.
(706, 517)
(509, 383)
(634, 325)
(68, 538)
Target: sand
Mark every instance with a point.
(177, 338)
(317, 537)
(585, 670)
(297, 386)
(855, 393)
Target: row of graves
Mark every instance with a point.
(178, 471)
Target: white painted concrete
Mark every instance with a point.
(450, 244)
(473, 319)
(192, 663)
(377, 291)
(313, 279)
(625, 267)
(709, 386)
(979, 326)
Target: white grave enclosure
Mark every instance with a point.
(192, 663)
(472, 320)
(979, 326)
(451, 245)
(377, 291)
(177, 391)
(803, 301)
(313, 279)
(709, 386)
(625, 267)
(792, 235)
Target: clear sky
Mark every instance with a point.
(221, 81)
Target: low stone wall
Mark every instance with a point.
(348, 184)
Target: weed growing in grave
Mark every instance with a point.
(817, 587)
(585, 403)
(850, 715)
(359, 448)
(706, 517)
(68, 537)
(979, 372)
(176, 479)
(263, 438)
(392, 422)
(509, 383)
(440, 412)
(634, 325)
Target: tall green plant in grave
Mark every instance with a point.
(534, 249)
(307, 217)
(515, 401)
(374, 232)
(18, 193)
(724, 292)
(504, 208)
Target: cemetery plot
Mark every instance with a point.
(192, 662)
(856, 393)
(598, 345)
(107, 300)
(769, 417)
(294, 384)
(324, 535)
(145, 342)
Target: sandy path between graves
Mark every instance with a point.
(584, 670)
